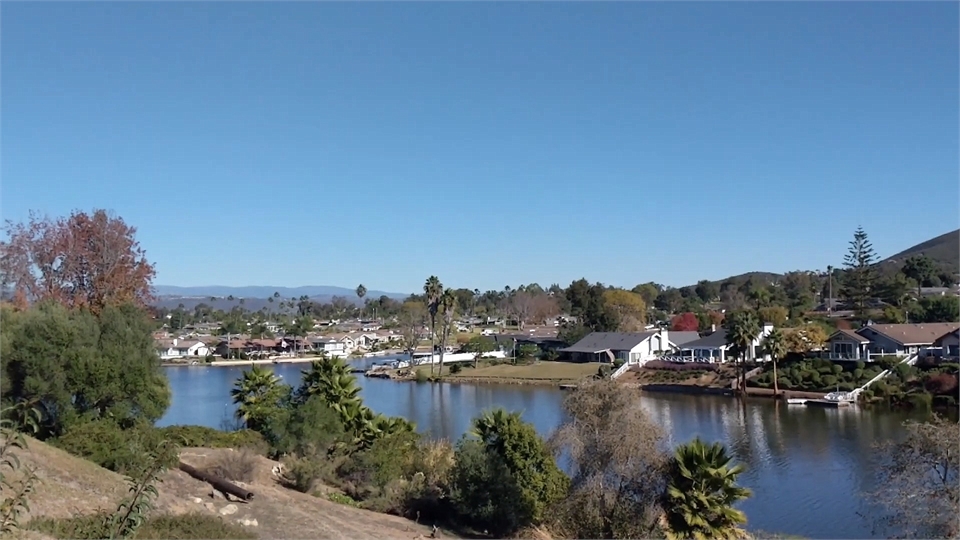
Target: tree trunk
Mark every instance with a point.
(433, 339)
(776, 390)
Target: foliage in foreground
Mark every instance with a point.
(921, 480)
(182, 527)
(701, 493)
(15, 495)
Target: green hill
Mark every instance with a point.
(944, 249)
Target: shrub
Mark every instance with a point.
(858, 373)
(422, 376)
(236, 466)
(847, 387)
(861, 364)
(302, 473)
(104, 442)
(455, 368)
(184, 526)
(837, 369)
(200, 436)
(921, 400)
(784, 382)
(941, 383)
(828, 381)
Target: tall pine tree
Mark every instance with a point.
(860, 272)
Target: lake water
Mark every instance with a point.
(808, 467)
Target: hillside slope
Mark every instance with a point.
(70, 486)
(944, 249)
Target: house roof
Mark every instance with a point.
(848, 335)
(615, 341)
(912, 334)
(954, 334)
(679, 338)
(716, 340)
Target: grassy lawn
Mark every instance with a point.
(542, 371)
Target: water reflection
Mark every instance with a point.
(808, 467)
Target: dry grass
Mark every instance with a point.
(236, 466)
(541, 371)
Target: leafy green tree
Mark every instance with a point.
(74, 365)
(310, 429)
(523, 465)
(743, 327)
(480, 345)
(775, 345)
(258, 394)
(860, 274)
(707, 291)
(702, 492)
(648, 291)
(921, 269)
(940, 309)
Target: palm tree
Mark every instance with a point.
(432, 290)
(257, 394)
(743, 329)
(361, 292)
(448, 304)
(701, 492)
(775, 345)
(329, 378)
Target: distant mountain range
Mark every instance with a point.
(255, 297)
(267, 291)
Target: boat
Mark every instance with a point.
(796, 401)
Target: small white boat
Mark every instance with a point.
(796, 401)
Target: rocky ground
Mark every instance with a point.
(70, 486)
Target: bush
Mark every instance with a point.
(104, 442)
(302, 473)
(200, 436)
(858, 374)
(837, 369)
(941, 384)
(236, 466)
(184, 526)
(861, 364)
(784, 382)
(847, 387)
(828, 381)
(422, 376)
(455, 368)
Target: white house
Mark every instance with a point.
(177, 348)
(332, 347)
(633, 347)
(714, 348)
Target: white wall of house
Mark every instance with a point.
(183, 351)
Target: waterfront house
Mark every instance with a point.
(903, 339)
(949, 344)
(328, 345)
(847, 345)
(633, 347)
(714, 347)
(177, 348)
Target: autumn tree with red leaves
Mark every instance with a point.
(685, 322)
(83, 261)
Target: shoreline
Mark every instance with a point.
(279, 360)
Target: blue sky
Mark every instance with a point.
(489, 144)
